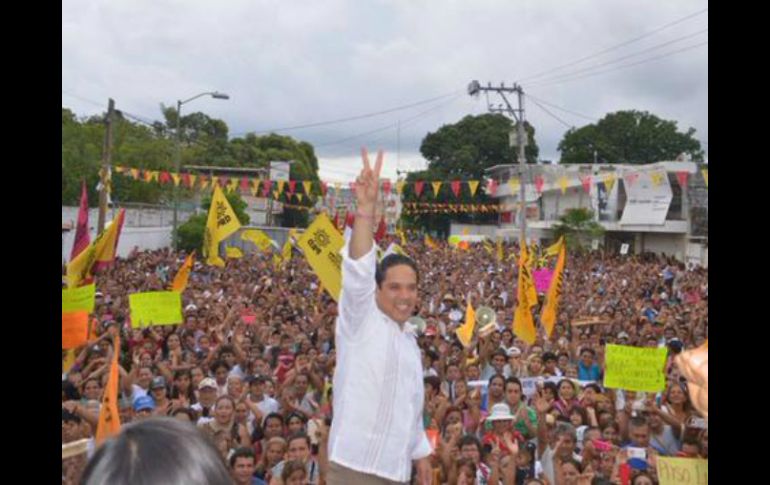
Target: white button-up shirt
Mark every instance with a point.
(378, 382)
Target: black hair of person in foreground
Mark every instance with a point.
(158, 451)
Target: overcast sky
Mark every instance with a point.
(289, 63)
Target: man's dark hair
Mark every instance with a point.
(589, 350)
(393, 260)
(242, 452)
(299, 435)
(219, 363)
(270, 416)
(157, 450)
(593, 386)
(638, 422)
(549, 356)
(433, 382)
(186, 411)
(513, 380)
(226, 349)
(469, 439)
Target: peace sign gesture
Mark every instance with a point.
(367, 183)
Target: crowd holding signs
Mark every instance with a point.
(574, 384)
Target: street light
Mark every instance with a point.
(178, 160)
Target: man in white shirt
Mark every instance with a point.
(377, 433)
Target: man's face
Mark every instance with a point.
(498, 362)
(496, 388)
(207, 396)
(299, 450)
(512, 393)
(228, 357)
(274, 453)
(397, 295)
(302, 383)
(221, 375)
(273, 428)
(587, 359)
(243, 469)
(640, 436)
(471, 451)
(453, 373)
(145, 377)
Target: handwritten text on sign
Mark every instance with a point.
(77, 299)
(635, 368)
(155, 308)
(683, 471)
(322, 243)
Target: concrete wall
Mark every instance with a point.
(144, 237)
(473, 230)
(671, 244)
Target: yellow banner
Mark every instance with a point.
(308, 186)
(221, 222)
(705, 173)
(176, 178)
(109, 417)
(555, 248)
(657, 178)
(155, 308)
(183, 274)
(233, 252)
(552, 298)
(400, 186)
(563, 181)
(635, 368)
(75, 299)
(465, 332)
(259, 238)
(523, 322)
(609, 181)
(682, 471)
(436, 188)
(499, 250)
(322, 243)
(473, 185)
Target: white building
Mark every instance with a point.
(644, 206)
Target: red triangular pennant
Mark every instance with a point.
(386, 187)
(245, 185)
(455, 185)
(223, 181)
(292, 186)
(418, 186)
(266, 186)
(164, 177)
(324, 188)
(492, 187)
(631, 178)
(186, 180)
(682, 177)
(539, 182)
(586, 181)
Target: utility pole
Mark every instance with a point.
(520, 137)
(104, 173)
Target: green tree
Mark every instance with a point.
(189, 236)
(629, 137)
(462, 151)
(578, 227)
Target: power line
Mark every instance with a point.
(617, 46)
(551, 114)
(392, 125)
(579, 115)
(351, 118)
(613, 61)
(669, 54)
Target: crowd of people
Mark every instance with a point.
(252, 366)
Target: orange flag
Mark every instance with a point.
(523, 322)
(109, 418)
(180, 280)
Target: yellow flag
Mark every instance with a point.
(204, 182)
(552, 298)
(176, 178)
(221, 222)
(321, 243)
(286, 251)
(299, 197)
(472, 186)
(109, 417)
(193, 178)
(401, 235)
(465, 331)
(154, 175)
(563, 181)
(276, 262)
(259, 238)
(429, 242)
(308, 186)
(489, 247)
(523, 323)
(182, 276)
(513, 182)
(705, 173)
(554, 248)
(233, 252)
(100, 252)
(499, 250)
(400, 186)
(436, 188)
(69, 360)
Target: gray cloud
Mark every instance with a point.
(290, 63)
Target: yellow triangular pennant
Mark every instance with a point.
(193, 178)
(281, 183)
(299, 197)
(657, 178)
(472, 186)
(705, 173)
(308, 186)
(563, 181)
(609, 181)
(400, 186)
(436, 188)
(513, 182)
